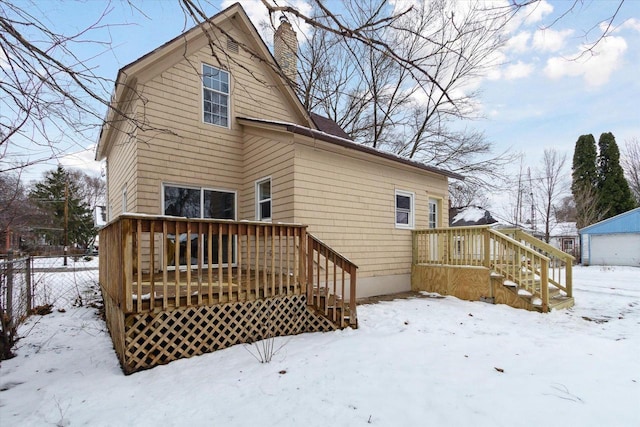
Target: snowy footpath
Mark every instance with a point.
(427, 361)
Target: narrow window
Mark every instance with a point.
(433, 213)
(215, 95)
(263, 199)
(124, 199)
(404, 209)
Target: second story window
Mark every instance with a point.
(215, 95)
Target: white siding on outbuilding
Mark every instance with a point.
(614, 241)
(615, 249)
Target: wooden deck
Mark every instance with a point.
(247, 281)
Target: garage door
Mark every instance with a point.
(615, 249)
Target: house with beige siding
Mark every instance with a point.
(227, 138)
(235, 215)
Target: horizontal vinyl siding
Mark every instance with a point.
(268, 154)
(182, 149)
(120, 170)
(349, 203)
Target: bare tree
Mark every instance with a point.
(630, 161)
(587, 198)
(50, 94)
(407, 106)
(467, 193)
(550, 186)
(16, 212)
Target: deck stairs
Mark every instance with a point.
(333, 307)
(558, 299)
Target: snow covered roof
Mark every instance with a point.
(470, 215)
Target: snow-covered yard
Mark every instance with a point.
(425, 361)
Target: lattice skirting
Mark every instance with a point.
(152, 339)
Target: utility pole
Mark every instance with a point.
(66, 220)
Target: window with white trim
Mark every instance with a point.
(198, 202)
(433, 213)
(215, 95)
(263, 199)
(404, 209)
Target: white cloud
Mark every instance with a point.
(596, 69)
(549, 40)
(518, 70)
(83, 160)
(631, 24)
(519, 42)
(536, 11)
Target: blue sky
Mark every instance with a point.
(540, 97)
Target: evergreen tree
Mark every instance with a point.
(585, 180)
(49, 198)
(614, 193)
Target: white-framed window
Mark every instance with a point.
(198, 202)
(263, 199)
(215, 96)
(433, 213)
(405, 209)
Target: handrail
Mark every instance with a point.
(483, 246)
(327, 272)
(560, 265)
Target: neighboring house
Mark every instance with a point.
(614, 241)
(564, 236)
(240, 136)
(469, 216)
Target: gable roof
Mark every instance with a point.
(127, 75)
(626, 222)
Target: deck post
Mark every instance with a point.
(487, 248)
(414, 247)
(569, 277)
(127, 262)
(544, 284)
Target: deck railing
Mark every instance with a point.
(151, 263)
(159, 263)
(329, 274)
(560, 263)
(523, 263)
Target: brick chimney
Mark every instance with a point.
(285, 47)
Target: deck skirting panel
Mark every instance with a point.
(157, 338)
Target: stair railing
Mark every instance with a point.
(329, 276)
(560, 263)
(526, 267)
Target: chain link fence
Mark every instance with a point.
(38, 285)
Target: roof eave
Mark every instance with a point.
(315, 134)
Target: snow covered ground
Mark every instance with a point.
(425, 361)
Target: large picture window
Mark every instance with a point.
(215, 95)
(193, 202)
(404, 209)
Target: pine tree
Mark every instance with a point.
(49, 197)
(585, 180)
(613, 188)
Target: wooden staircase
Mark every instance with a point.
(331, 284)
(558, 299)
(524, 271)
